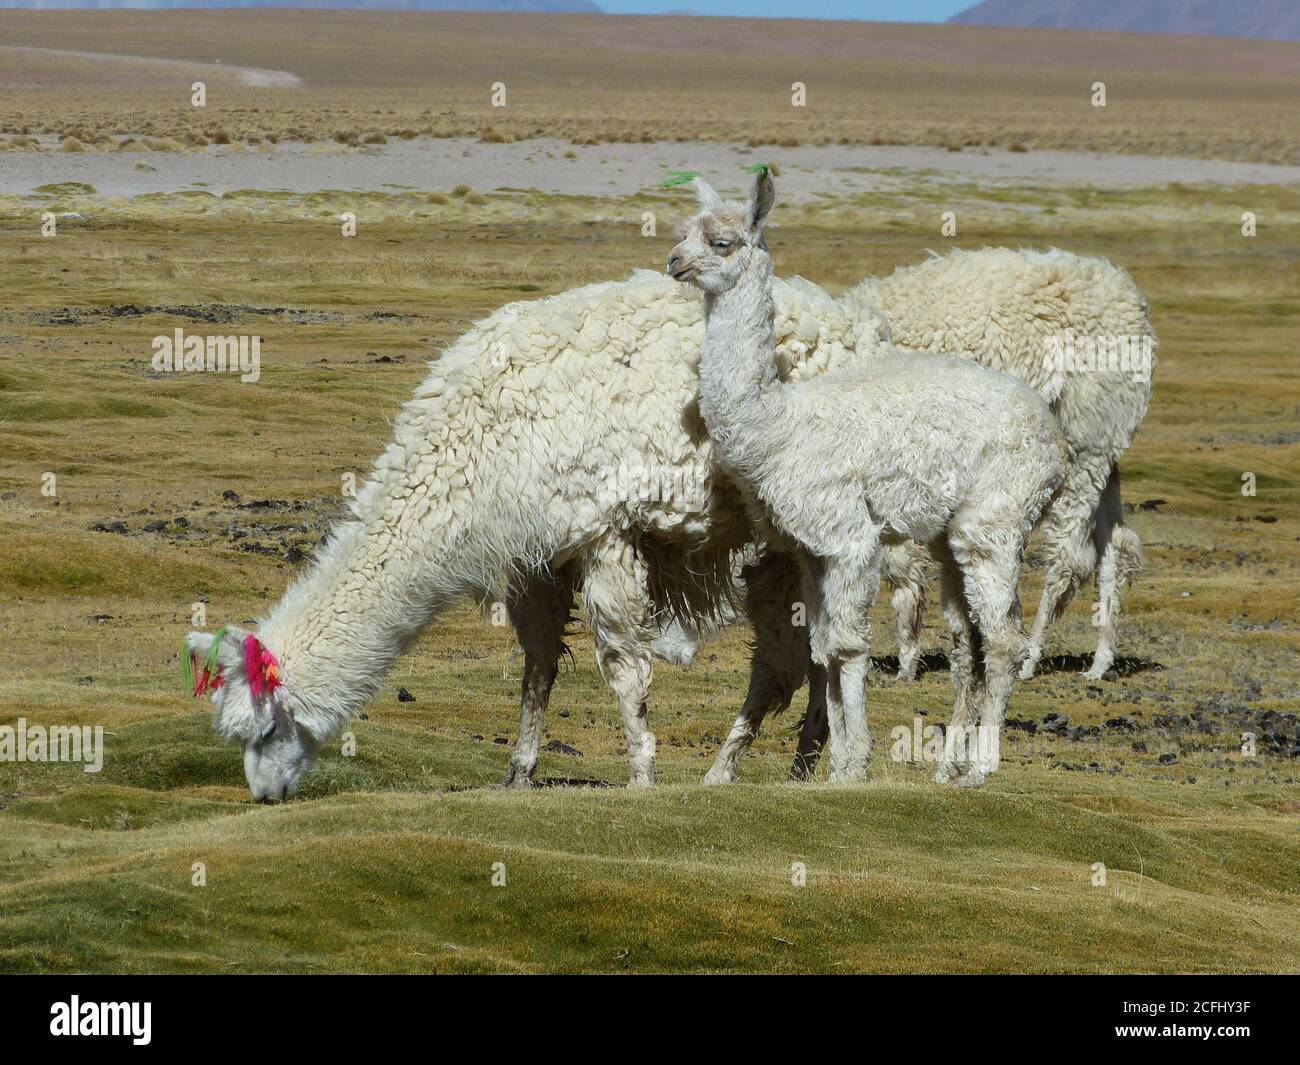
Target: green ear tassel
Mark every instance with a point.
(210, 663)
(187, 667)
(680, 177)
(759, 168)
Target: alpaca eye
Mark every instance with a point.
(722, 245)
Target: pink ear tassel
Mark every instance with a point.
(253, 664)
(261, 667)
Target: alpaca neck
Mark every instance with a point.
(343, 623)
(739, 393)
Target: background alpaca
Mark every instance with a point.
(1022, 312)
(880, 451)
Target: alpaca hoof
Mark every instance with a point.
(802, 771)
(517, 777)
(944, 773)
(1029, 667)
(1100, 667)
(974, 779)
(640, 783)
(717, 775)
(856, 775)
(906, 673)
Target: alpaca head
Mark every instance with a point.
(253, 706)
(721, 242)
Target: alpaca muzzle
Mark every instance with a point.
(679, 269)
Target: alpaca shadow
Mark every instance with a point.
(931, 663)
(571, 782)
(1121, 667)
(938, 663)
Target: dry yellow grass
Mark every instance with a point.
(596, 78)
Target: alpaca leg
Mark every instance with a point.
(961, 668)
(903, 567)
(1071, 556)
(815, 728)
(539, 605)
(620, 611)
(990, 560)
(848, 677)
(847, 588)
(819, 642)
(1121, 557)
(779, 661)
(1003, 649)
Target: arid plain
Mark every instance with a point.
(174, 490)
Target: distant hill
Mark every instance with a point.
(1277, 20)
(387, 5)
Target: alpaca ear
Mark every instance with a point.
(763, 198)
(198, 644)
(709, 199)
(214, 655)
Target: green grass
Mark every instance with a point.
(899, 877)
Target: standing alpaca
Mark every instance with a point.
(1077, 330)
(1022, 312)
(850, 461)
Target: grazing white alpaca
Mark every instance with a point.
(881, 452)
(558, 442)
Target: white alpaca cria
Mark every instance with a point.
(1019, 312)
(881, 452)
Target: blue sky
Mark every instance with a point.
(872, 10)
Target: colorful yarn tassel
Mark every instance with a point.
(260, 666)
(680, 177)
